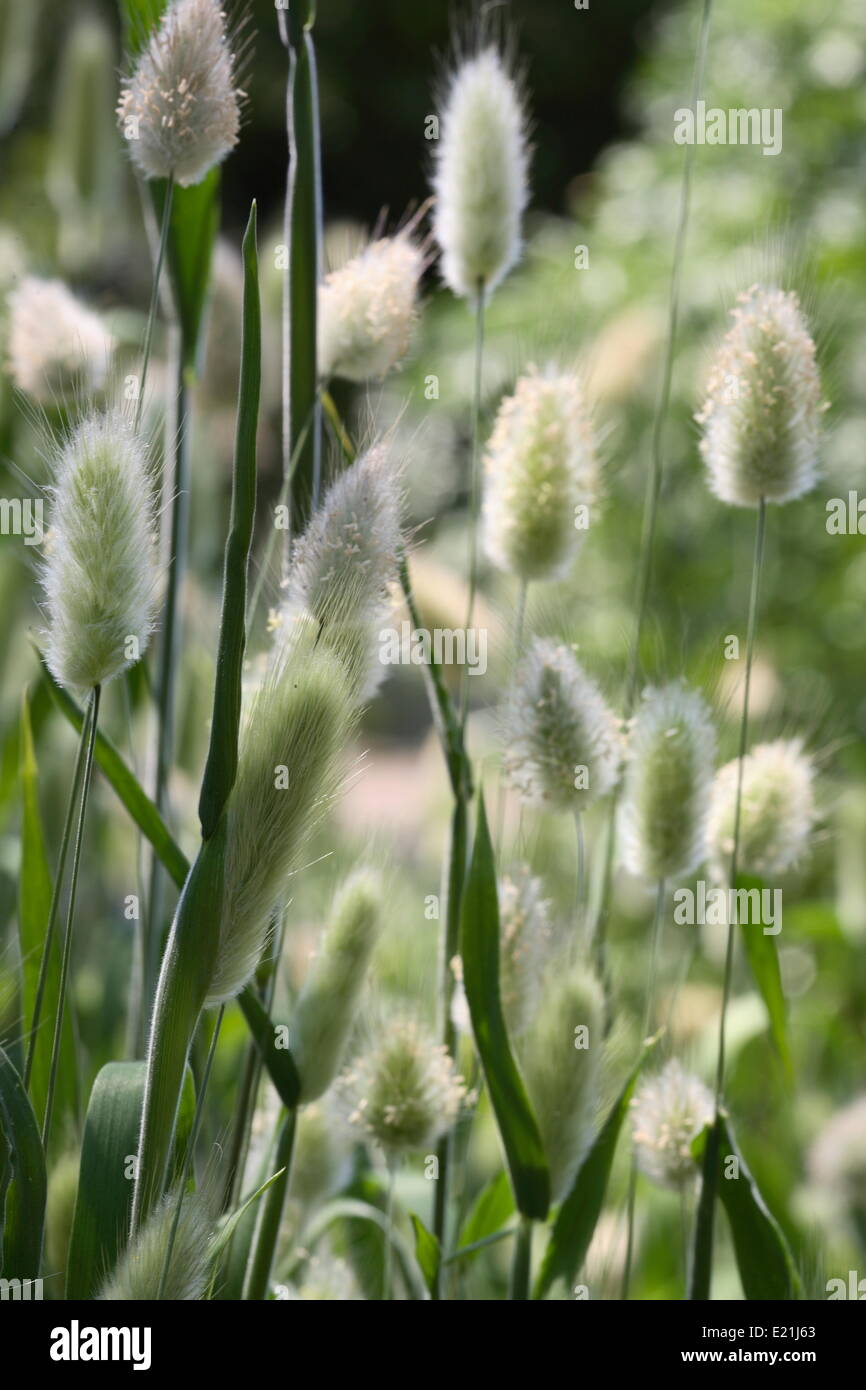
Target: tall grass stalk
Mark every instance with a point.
(474, 488)
(521, 1266)
(268, 1226)
(655, 478)
(57, 892)
(91, 724)
(154, 295)
(649, 1010)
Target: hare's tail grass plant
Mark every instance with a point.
(100, 586)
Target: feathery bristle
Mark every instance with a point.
(668, 1113)
(138, 1274)
(367, 310)
(540, 467)
(762, 418)
(99, 574)
(180, 109)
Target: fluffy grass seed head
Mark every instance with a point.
(761, 421)
(325, 1013)
(99, 574)
(777, 810)
(405, 1093)
(540, 467)
(321, 1162)
(367, 309)
(344, 564)
(138, 1274)
(295, 729)
(669, 771)
(525, 940)
(668, 1113)
(837, 1159)
(561, 1062)
(562, 743)
(180, 108)
(480, 175)
(58, 349)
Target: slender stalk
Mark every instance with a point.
(580, 884)
(655, 477)
(754, 599)
(455, 875)
(93, 717)
(519, 623)
(56, 893)
(388, 1263)
(169, 655)
(649, 1009)
(267, 1230)
(522, 1261)
(154, 294)
(190, 1150)
(474, 489)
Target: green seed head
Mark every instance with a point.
(139, 1272)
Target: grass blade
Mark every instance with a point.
(222, 761)
(479, 948)
(764, 961)
(34, 907)
(23, 1219)
(428, 1253)
(576, 1221)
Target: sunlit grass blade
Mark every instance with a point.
(479, 949)
(428, 1253)
(764, 960)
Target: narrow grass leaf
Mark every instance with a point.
(764, 961)
(427, 1252)
(34, 906)
(23, 1218)
(577, 1217)
(222, 760)
(492, 1210)
(707, 1144)
(479, 949)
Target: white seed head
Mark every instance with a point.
(58, 348)
(138, 1274)
(540, 467)
(326, 1279)
(669, 771)
(562, 743)
(99, 575)
(324, 1015)
(762, 418)
(837, 1159)
(668, 1113)
(321, 1163)
(367, 310)
(480, 177)
(180, 109)
(777, 810)
(525, 941)
(343, 566)
(562, 1066)
(404, 1094)
(288, 768)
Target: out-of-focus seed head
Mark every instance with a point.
(561, 1060)
(480, 176)
(324, 1015)
(99, 575)
(761, 421)
(321, 1163)
(541, 477)
(405, 1093)
(288, 769)
(58, 349)
(562, 743)
(837, 1159)
(367, 310)
(669, 770)
(526, 939)
(777, 811)
(138, 1274)
(344, 564)
(180, 109)
(668, 1113)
